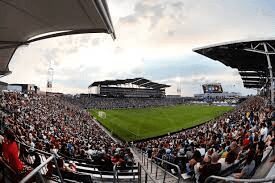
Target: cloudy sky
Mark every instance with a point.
(155, 39)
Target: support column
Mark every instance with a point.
(270, 74)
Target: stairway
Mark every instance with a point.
(157, 173)
(266, 166)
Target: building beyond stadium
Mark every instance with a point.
(136, 87)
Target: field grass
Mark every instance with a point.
(136, 124)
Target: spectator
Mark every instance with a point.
(264, 132)
(56, 125)
(63, 167)
(212, 168)
(72, 166)
(248, 168)
(228, 161)
(11, 153)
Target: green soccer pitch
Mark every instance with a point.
(137, 124)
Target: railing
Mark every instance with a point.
(148, 163)
(40, 170)
(120, 172)
(116, 172)
(146, 175)
(268, 179)
(37, 170)
(8, 174)
(166, 171)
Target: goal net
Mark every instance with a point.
(101, 114)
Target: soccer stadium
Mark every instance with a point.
(130, 129)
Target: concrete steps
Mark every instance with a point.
(156, 172)
(265, 167)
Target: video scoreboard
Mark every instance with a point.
(212, 88)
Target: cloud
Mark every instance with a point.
(128, 19)
(190, 24)
(154, 40)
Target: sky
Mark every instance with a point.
(155, 39)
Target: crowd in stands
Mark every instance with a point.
(114, 103)
(55, 125)
(209, 149)
(51, 124)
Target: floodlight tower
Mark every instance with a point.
(50, 77)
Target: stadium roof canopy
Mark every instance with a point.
(141, 82)
(26, 21)
(252, 58)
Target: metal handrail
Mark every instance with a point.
(147, 174)
(115, 173)
(268, 179)
(145, 160)
(37, 150)
(5, 165)
(169, 163)
(37, 169)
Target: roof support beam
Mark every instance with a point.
(267, 53)
(153, 84)
(270, 74)
(259, 51)
(252, 79)
(137, 80)
(145, 83)
(255, 46)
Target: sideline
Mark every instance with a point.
(106, 131)
(136, 157)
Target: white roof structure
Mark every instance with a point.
(22, 21)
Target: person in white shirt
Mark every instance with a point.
(264, 132)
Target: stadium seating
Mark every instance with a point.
(115, 103)
(46, 125)
(52, 125)
(243, 131)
